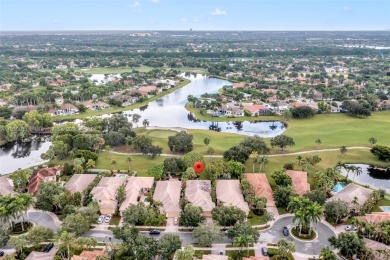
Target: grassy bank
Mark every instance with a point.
(114, 109)
(144, 69)
(334, 130)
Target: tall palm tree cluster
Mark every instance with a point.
(305, 212)
(355, 170)
(376, 231)
(14, 207)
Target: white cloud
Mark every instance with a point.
(183, 20)
(219, 12)
(155, 1)
(346, 8)
(135, 5)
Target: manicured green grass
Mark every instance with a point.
(115, 70)
(255, 220)
(295, 232)
(381, 203)
(114, 109)
(199, 253)
(115, 221)
(334, 130)
(233, 254)
(282, 211)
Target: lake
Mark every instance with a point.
(169, 111)
(376, 178)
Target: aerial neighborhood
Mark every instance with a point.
(214, 145)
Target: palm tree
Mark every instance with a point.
(243, 240)
(285, 248)
(90, 164)
(263, 162)
(357, 171)
(327, 254)
(318, 142)
(299, 160)
(343, 150)
(23, 203)
(129, 161)
(186, 253)
(66, 240)
(145, 123)
(254, 156)
(315, 213)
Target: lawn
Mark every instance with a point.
(199, 253)
(255, 220)
(382, 202)
(233, 254)
(334, 130)
(115, 70)
(114, 109)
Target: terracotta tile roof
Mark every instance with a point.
(198, 193)
(41, 255)
(299, 181)
(105, 193)
(261, 186)
(79, 182)
(168, 192)
(255, 108)
(351, 191)
(39, 176)
(133, 189)
(89, 255)
(255, 258)
(375, 217)
(229, 193)
(6, 186)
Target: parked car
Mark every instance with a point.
(100, 220)
(107, 218)
(48, 247)
(154, 232)
(264, 250)
(220, 252)
(285, 231)
(1, 253)
(351, 228)
(176, 221)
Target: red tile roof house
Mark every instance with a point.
(89, 255)
(79, 183)
(95, 105)
(64, 110)
(256, 110)
(42, 175)
(375, 217)
(198, 194)
(168, 193)
(6, 186)
(105, 194)
(229, 193)
(146, 90)
(136, 187)
(299, 181)
(261, 186)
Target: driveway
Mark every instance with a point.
(274, 234)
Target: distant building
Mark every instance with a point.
(89, 255)
(6, 186)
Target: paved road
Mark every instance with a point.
(43, 219)
(274, 234)
(269, 155)
(186, 237)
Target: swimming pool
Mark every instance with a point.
(338, 187)
(386, 209)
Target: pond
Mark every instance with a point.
(169, 111)
(166, 112)
(373, 176)
(21, 155)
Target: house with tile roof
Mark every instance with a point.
(375, 217)
(42, 175)
(215, 257)
(261, 186)
(105, 194)
(136, 187)
(34, 255)
(229, 194)
(6, 186)
(299, 181)
(352, 191)
(168, 193)
(90, 255)
(198, 194)
(79, 182)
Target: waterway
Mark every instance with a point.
(169, 111)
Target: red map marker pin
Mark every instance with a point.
(198, 167)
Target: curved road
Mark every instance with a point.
(274, 234)
(269, 155)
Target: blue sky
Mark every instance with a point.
(195, 14)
